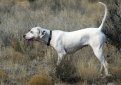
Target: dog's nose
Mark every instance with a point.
(24, 36)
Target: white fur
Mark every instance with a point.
(67, 42)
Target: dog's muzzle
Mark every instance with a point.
(31, 39)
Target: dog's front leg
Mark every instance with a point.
(60, 57)
(60, 51)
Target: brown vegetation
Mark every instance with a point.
(40, 80)
(3, 75)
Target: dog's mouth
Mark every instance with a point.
(31, 39)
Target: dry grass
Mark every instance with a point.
(79, 83)
(3, 75)
(22, 61)
(40, 80)
(88, 70)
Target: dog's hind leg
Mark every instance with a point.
(101, 68)
(99, 54)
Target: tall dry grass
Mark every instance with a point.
(21, 61)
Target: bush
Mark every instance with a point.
(40, 80)
(3, 75)
(112, 26)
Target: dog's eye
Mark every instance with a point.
(31, 32)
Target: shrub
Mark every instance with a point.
(116, 71)
(40, 80)
(3, 75)
(88, 70)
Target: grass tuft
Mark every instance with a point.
(40, 80)
(87, 70)
(3, 75)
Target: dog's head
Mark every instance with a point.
(35, 33)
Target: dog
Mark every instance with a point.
(68, 42)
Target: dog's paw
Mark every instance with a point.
(108, 75)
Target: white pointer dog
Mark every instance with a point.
(67, 42)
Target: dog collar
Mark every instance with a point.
(49, 39)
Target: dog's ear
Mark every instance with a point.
(38, 31)
(43, 33)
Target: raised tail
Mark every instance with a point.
(103, 20)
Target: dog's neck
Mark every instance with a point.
(47, 37)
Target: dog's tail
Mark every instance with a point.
(106, 10)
